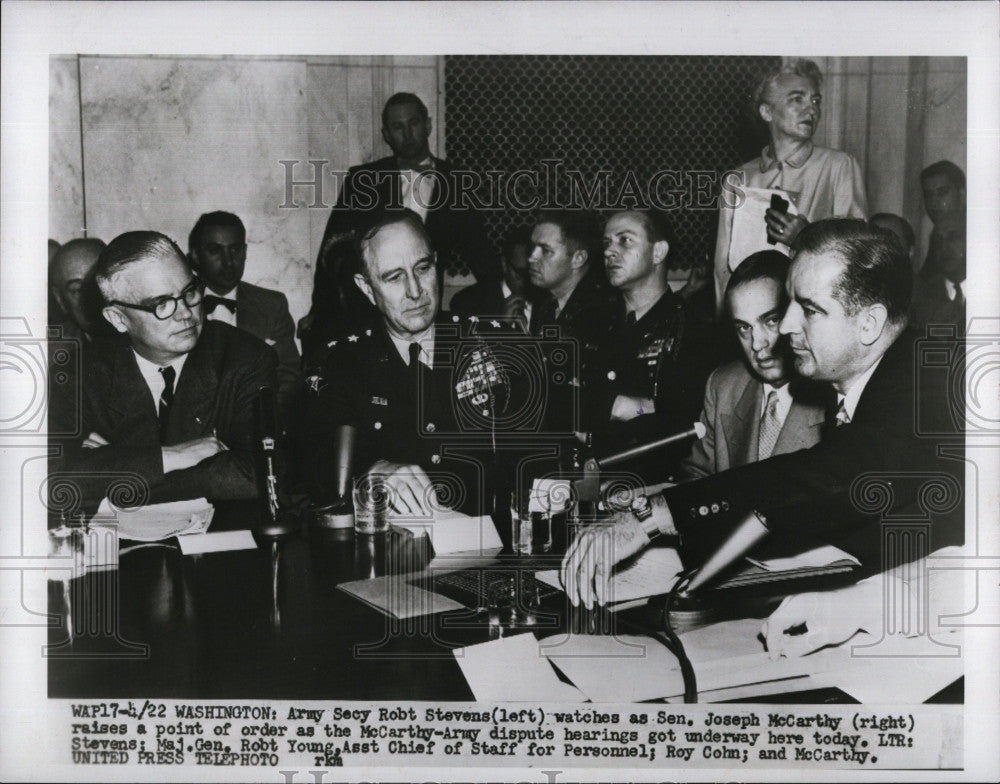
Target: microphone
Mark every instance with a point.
(744, 536)
(697, 430)
(588, 488)
(267, 423)
(339, 513)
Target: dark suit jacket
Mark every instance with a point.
(807, 496)
(930, 304)
(731, 416)
(483, 298)
(215, 392)
(264, 314)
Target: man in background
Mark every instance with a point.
(512, 295)
(411, 178)
(753, 407)
(822, 183)
(939, 291)
(217, 251)
(648, 377)
(72, 287)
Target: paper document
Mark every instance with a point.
(217, 542)
(396, 597)
(156, 521)
(653, 572)
(512, 669)
(749, 233)
(456, 533)
(824, 555)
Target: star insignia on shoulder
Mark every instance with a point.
(315, 384)
(495, 324)
(331, 344)
(352, 338)
(473, 319)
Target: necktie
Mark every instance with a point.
(166, 397)
(212, 302)
(542, 314)
(630, 319)
(770, 427)
(415, 362)
(841, 417)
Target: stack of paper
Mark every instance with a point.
(156, 521)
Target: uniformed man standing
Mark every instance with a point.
(650, 372)
(431, 398)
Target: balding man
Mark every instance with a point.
(173, 402)
(72, 287)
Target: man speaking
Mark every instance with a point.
(850, 290)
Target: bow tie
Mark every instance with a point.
(212, 302)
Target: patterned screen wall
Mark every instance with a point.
(611, 123)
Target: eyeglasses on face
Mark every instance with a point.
(164, 307)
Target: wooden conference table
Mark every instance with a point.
(270, 623)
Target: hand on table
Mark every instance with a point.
(587, 565)
(806, 622)
(411, 489)
(782, 227)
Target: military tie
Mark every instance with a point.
(770, 427)
(166, 398)
(415, 363)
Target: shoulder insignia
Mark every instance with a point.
(352, 338)
(315, 384)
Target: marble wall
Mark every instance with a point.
(165, 139)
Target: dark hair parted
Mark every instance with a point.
(764, 264)
(217, 218)
(400, 99)
(580, 229)
(876, 269)
(950, 170)
(129, 248)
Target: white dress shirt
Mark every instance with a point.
(426, 341)
(851, 397)
(154, 379)
(417, 199)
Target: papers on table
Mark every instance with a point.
(512, 669)
(156, 521)
(217, 542)
(396, 597)
(826, 555)
(654, 571)
(749, 233)
(455, 533)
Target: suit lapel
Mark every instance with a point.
(801, 428)
(743, 424)
(195, 394)
(128, 386)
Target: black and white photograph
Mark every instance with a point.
(500, 391)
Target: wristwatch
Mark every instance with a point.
(643, 511)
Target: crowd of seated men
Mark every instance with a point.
(573, 333)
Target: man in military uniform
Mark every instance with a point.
(433, 398)
(649, 375)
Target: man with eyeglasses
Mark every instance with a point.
(217, 252)
(174, 403)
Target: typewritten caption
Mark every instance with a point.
(291, 735)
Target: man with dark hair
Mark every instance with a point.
(217, 251)
(411, 178)
(939, 289)
(512, 295)
(575, 296)
(821, 183)
(849, 288)
(649, 374)
(753, 407)
(173, 404)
